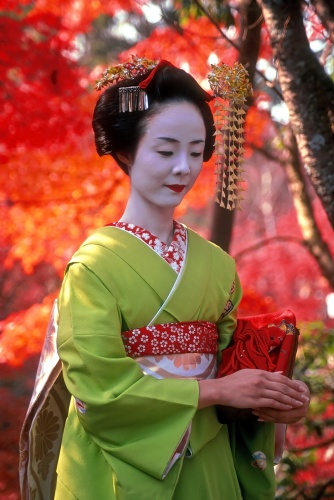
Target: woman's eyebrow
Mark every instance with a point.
(172, 139)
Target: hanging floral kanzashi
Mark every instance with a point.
(231, 87)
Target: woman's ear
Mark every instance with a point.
(125, 158)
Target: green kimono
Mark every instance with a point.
(119, 443)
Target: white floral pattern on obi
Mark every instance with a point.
(171, 338)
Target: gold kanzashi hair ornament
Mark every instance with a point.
(231, 87)
(130, 98)
(127, 71)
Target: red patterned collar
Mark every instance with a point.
(174, 254)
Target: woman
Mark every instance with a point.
(139, 311)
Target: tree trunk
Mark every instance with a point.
(308, 93)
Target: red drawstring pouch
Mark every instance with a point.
(266, 342)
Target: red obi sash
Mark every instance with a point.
(171, 338)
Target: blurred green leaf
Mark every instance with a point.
(220, 12)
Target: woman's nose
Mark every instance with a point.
(182, 166)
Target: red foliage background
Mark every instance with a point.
(54, 190)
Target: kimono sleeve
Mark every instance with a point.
(228, 320)
(131, 416)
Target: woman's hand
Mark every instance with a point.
(251, 388)
(285, 416)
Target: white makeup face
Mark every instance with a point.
(169, 157)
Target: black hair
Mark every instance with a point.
(117, 132)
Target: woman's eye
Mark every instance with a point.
(165, 153)
(196, 155)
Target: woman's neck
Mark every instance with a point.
(158, 222)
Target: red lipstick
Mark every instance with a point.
(177, 188)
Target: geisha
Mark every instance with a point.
(145, 309)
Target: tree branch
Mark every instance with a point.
(268, 241)
(325, 12)
(251, 16)
(312, 238)
(302, 449)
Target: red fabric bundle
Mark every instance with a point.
(266, 342)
